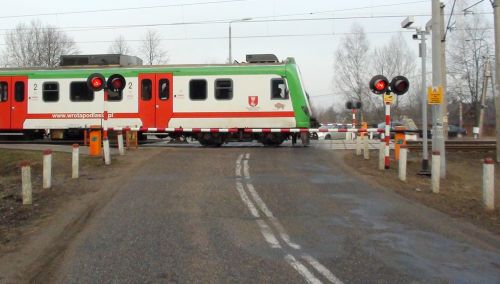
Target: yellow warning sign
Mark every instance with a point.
(435, 95)
(388, 98)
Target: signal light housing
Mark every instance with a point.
(116, 83)
(353, 105)
(400, 85)
(379, 84)
(96, 82)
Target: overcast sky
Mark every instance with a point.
(311, 42)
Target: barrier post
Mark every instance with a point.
(358, 145)
(381, 156)
(403, 155)
(26, 183)
(121, 149)
(489, 184)
(387, 161)
(366, 147)
(105, 140)
(47, 169)
(75, 161)
(435, 171)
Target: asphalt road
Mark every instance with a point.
(261, 215)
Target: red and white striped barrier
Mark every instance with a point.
(246, 130)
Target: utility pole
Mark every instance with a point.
(437, 133)
(444, 104)
(482, 104)
(496, 10)
(460, 117)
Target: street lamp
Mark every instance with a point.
(406, 24)
(230, 58)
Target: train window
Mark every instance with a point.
(80, 92)
(278, 89)
(4, 91)
(198, 90)
(50, 92)
(146, 89)
(19, 91)
(223, 89)
(163, 89)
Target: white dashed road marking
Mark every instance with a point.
(267, 231)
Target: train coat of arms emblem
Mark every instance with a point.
(253, 101)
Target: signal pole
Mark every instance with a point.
(496, 10)
(444, 104)
(437, 133)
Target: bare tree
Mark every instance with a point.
(351, 61)
(37, 45)
(152, 50)
(470, 44)
(120, 46)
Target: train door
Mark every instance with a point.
(5, 102)
(155, 99)
(13, 102)
(19, 102)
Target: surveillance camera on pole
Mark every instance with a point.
(408, 22)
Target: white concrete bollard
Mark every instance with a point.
(348, 136)
(366, 148)
(435, 172)
(47, 169)
(107, 154)
(26, 183)
(489, 184)
(75, 163)
(403, 155)
(371, 135)
(358, 145)
(381, 156)
(121, 149)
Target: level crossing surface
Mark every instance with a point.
(260, 215)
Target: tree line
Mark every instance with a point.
(41, 45)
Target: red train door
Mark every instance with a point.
(13, 102)
(155, 99)
(19, 102)
(5, 100)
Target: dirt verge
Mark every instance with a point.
(460, 193)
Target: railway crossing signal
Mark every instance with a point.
(400, 85)
(116, 83)
(95, 82)
(379, 84)
(353, 105)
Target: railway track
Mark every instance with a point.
(459, 145)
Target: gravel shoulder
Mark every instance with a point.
(460, 193)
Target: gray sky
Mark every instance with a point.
(313, 42)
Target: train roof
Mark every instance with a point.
(177, 69)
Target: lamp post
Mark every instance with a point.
(406, 24)
(230, 58)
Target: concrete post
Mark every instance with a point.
(107, 153)
(121, 149)
(435, 175)
(358, 145)
(381, 156)
(366, 148)
(489, 184)
(403, 154)
(26, 183)
(75, 161)
(496, 11)
(47, 169)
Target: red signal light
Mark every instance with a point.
(95, 82)
(379, 84)
(116, 83)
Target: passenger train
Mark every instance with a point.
(261, 93)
